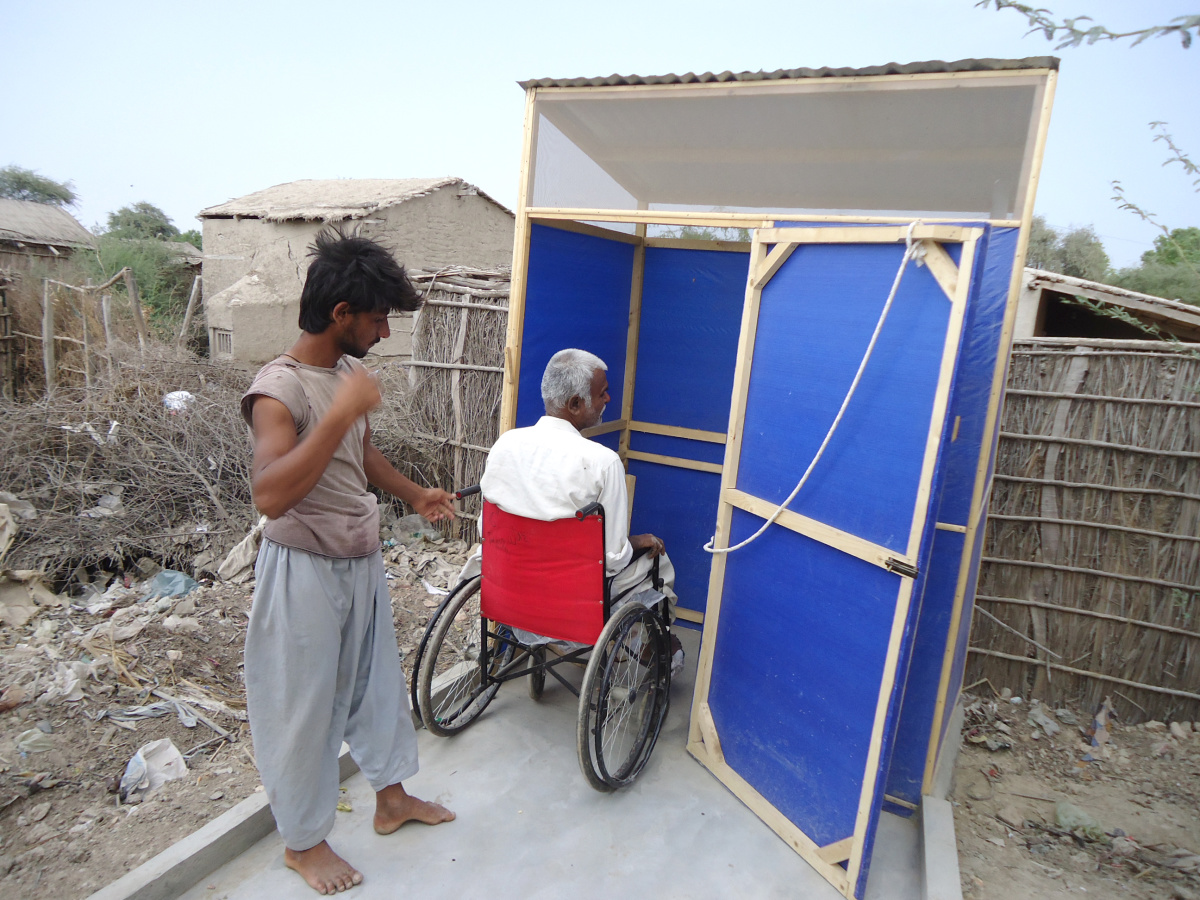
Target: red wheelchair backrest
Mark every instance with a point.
(544, 577)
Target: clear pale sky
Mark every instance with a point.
(189, 105)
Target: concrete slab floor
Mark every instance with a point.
(528, 824)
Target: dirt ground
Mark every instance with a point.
(1141, 790)
(68, 675)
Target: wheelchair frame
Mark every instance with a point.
(634, 642)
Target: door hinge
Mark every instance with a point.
(900, 567)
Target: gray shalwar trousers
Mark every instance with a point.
(322, 667)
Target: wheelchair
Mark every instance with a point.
(548, 579)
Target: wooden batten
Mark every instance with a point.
(520, 272)
(676, 461)
(982, 481)
(694, 434)
(733, 449)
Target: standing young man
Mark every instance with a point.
(321, 658)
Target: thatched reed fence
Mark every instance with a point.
(1090, 583)
(455, 377)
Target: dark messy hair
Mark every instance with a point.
(354, 269)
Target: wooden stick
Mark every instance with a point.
(419, 364)
(1104, 445)
(48, 337)
(1086, 485)
(1102, 398)
(135, 301)
(1105, 525)
(1084, 673)
(488, 306)
(1091, 613)
(187, 316)
(1097, 572)
(1019, 634)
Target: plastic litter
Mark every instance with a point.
(151, 767)
(34, 741)
(1076, 820)
(178, 401)
(414, 529)
(169, 583)
(187, 716)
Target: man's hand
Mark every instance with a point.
(648, 542)
(357, 394)
(434, 504)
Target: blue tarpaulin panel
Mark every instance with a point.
(960, 461)
(577, 295)
(817, 316)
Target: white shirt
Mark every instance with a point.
(549, 470)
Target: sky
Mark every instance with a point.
(188, 105)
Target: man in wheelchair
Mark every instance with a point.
(560, 568)
(549, 470)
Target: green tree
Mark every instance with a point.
(1078, 252)
(1179, 246)
(141, 221)
(25, 184)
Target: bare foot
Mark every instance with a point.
(394, 806)
(324, 870)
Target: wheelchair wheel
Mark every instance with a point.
(624, 698)
(450, 693)
(537, 677)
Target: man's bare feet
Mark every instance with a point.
(394, 806)
(324, 870)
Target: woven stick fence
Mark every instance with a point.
(1090, 582)
(451, 411)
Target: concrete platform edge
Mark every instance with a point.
(940, 879)
(188, 861)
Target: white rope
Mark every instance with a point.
(911, 251)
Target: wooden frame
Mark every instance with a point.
(764, 263)
(703, 740)
(975, 521)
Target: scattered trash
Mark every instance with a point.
(178, 401)
(429, 588)
(169, 583)
(34, 741)
(38, 812)
(182, 624)
(1066, 717)
(86, 428)
(238, 566)
(1177, 730)
(414, 529)
(107, 505)
(21, 595)
(187, 716)
(20, 509)
(1075, 820)
(1038, 717)
(12, 697)
(1099, 731)
(151, 767)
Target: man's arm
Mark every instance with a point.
(433, 503)
(286, 469)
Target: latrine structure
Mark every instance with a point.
(864, 326)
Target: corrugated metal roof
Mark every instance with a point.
(915, 68)
(333, 200)
(40, 223)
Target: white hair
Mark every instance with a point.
(569, 374)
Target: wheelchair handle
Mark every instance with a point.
(467, 492)
(593, 507)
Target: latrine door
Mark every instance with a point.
(806, 625)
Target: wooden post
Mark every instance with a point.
(187, 316)
(136, 302)
(460, 346)
(105, 318)
(48, 337)
(87, 353)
